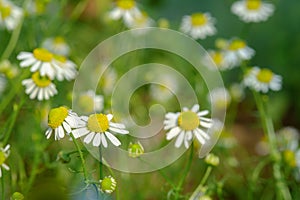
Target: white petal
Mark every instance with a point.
(195, 108)
(117, 125)
(61, 132)
(89, 138)
(173, 133)
(121, 131)
(199, 137)
(97, 138)
(67, 127)
(103, 140)
(109, 117)
(80, 132)
(113, 139)
(179, 140)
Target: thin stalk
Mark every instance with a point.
(203, 181)
(2, 187)
(33, 172)
(81, 157)
(185, 173)
(282, 189)
(100, 164)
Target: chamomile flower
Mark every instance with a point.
(262, 80)
(218, 57)
(2, 83)
(65, 69)
(162, 93)
(60, 121)
(8, 69)
(90, 102)
(57, 45)
(135, 149)
(4, 153)
(252, 10)
(186, 124)
(237, 92)
(108, 184)
(237, 51)
(40, 87)
(141, 21)
(198, 25)
(125, 9)
(219, 98)
(10, 15)
(288, 138)
(98, 128)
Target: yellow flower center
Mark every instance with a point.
(87, 103)
(198, 19)
(126, 4)
(42, 54)
(57, 116)
(217, 58)
(253, 4)
(60, 58)
(108, 184)
(289, 157)
(40, 81)
(236, 45)
(98, 123)
(188, 120)
(264, 75)
(59, 40)
(5, 11)
(2, 157)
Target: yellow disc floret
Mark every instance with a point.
(5, 11)
(253, 4)
(2, 157)
(198, 19)
(86, 102)
(59, 40)
(60, 58)
(265, 75)
(289, 157)
(40, 81)
(98, 123)
(217, 58)
(126, 4)
(236, 45)
(42, 54)
(188, 120)
(108, 184)
(57, 116)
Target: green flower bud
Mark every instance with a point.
(108, 184)
(212, 159)
(135, 149)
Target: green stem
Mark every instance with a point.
(33, 172)
(267, 124)
(200, 186)
(78, 10)
(185, 173)
(3, 187)
(100, 164)
(81, 157)
(112, 173)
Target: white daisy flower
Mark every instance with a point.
(237, 51)
(198, 25)
(57, 45)
(262, 80)
(61, 121)
(162, 93)
(2, 83)
(185, 125)
(90, 102)
(10, 15)
(219, 98)
(135, 149)
(97, 127)
(40, 87)
(48, 64)
(218, 57)
(288, 138)
(65, 69)
(108, 81)
(108, 184)
(141, 21)
(125, 9)
(252, 10)
(4, 153)
(237, 92)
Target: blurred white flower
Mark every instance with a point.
(185, 125)
(10, 15)
(219, 98)
(57, 45)
(198, 25)
(252, 10)
(218, 58)
(237, 92)
(40, 87)
(262, 80)
(4, 153)
(90, 102)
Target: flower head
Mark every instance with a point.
(252, 10)
(4, 153)
(135, 149)
(10, 15)
(108, 184)
(237, 51)
(262, 80)
(90, 102)
(97, 129)
(141, 21)
(198, 25)
(57, 45)
(212, 159)
(61, 121)
(219, 98)
(40, 87)
(184, 125)
(125, 9)
(218, 57)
